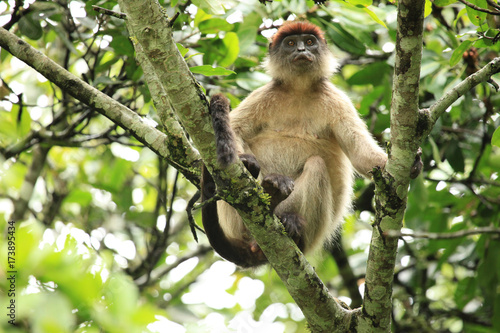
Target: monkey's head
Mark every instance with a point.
(299, 49)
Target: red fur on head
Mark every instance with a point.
(296, 28)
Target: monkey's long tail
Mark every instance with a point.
(236, 251)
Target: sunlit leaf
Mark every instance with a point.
(214, 7)
(375, 17)
(232, 49)
(361, 2)
(214, 25)
(208, 70)
(182, 49)
(459, 52)
(442, 3)
(428, 8)
(495, 140)
(477, 17)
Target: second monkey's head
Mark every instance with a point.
(297, 51)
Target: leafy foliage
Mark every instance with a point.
(103, 241)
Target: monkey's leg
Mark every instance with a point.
(308, 210)
(279, 187)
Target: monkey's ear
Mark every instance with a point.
(224, 136)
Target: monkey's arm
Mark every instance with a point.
(229, 145)
(356, 141)
(225, 139)
(358, 144)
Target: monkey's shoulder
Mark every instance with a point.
(271, 97)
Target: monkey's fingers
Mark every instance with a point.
(251, 164)
(279, 187)
(294, 226)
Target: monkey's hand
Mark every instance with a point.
(417, 166)
(278, 187)
(294, 225)
(250, 162)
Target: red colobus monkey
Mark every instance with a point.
(303, 139)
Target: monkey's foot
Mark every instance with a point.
(257, 251)
(278, 187)
(294, 225)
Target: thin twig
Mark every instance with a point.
(493, 4)
(438, 108)
(479, 9)
(444, 235)
(172, 20)
(121, 16)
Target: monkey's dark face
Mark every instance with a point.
(300, 51)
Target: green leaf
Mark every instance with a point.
(30, 28)
(208, 70)
(455, 157)
(459, 51)
(232, 46)
(201, 16)
(246, 37)
(22, 119)
(428, 8)
(214, 25)
(429, 67)
(442, 3)
(252, 80)
(465, 291)
(54, 313)
(374, 17)
(371, 74)
(495, 140)
(210, 6)
(122, 45)
(475, 16)
(369, 99)
(182, 49)
(344, 39)
(360, 2)
(435, 151)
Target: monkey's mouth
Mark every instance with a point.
(303, 58)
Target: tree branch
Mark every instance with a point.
(444, 235)
(152, 33)
(429, 116)
(109, 12)
(392, 184)
(480, 9)
(107, 106)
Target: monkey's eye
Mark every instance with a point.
(291, 43)
(309, 42)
